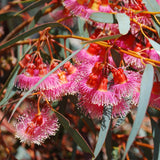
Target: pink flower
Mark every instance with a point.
(155, 96)
(102, 96)
(85, 69)
(121, 109)
(158, 1)
(77, 7)
(68, 83)
(88, 56)
(64, 13)
(105, 8)
(135, 96)
(94, 90)
(33, 128)
(73, 78)
(126, 41)
(152, 54)
(92, 110)
(133, 62)
(25, 82)
(125, 82)
(33, 74)
(58, 91)
(96, 111)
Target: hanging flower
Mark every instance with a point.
(89, 109)
(63, 14)
(155, 96)
(91, 55)
(35, 128)
(125, 82)
(77, 7)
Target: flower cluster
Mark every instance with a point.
(35, 128)
(99, 78)
(86, 8)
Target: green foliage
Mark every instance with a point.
(103, 17)
(105, 125)
(156, 139)
(82, 30)
(146, 88)
(74, 133)
(29, 33)
(123, 23)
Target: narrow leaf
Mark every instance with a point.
(116, 57)
(153, 111)
(156, 139)
(5, 100)
(105, 125)
(103, 38)
(145, 91)
(123, 23)
(33, 5)
(9, 83)
(152, 5)
(89, 123)
(73, 133)
(24, 1)
(155, 45)
(30, 32)
(39, 14)
(108, 143)
(82, 29)
(7, 15)
(156, 25)
(103, 17)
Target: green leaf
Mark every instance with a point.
(155, 45)
(156, 139)
(30, 32)
(89, 123)
(41, 80)
(156, 25)
(7, 97)
(73, 133)
(24, 1)
(145, 92)
(105, 125)
(116, 57)
(10, 84)
(123, 23)
(33, 5)
(103, 17)
(119, 121)
(103, 38)
(82, 29)
(152, 5)
(7, 15)
(153, 111)
(39, 14)
(108, 143)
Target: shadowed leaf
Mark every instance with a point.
(30, 32)
(74, 133)
(116, 57)
(33, 5)
(156, 139)
(105, 125)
